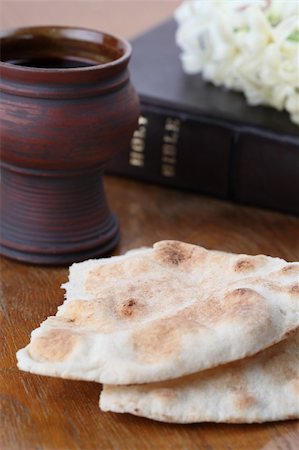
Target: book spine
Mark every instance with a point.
(200, 154)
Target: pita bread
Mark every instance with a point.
(262, 388)
(162, 313)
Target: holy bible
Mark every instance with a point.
(196, 136)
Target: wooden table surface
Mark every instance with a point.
(43, 413)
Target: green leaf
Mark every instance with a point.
(241, 29)
(273, 18)
(294, 37)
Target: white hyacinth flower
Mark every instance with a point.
(246, 45)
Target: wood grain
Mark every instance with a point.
(47, 413)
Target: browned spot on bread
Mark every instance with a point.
(74, 309)
(248, 308)
(243, 301)
(95, 315)
(158, 341)
(244, 265)
(175, 253)
(273, 285)
(103, 274)
(54, 345)
(291, 416)
(276, 362)
(294, 289)
(166, 394)
(247, 263)
(244, 400)
(296, 385)
(106, 314)
(137, 266)
(242, 296)
(128, 308)
(290, 269)
(289, 333)
(280, 369)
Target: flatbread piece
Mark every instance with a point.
(264, 387)
(164, 312)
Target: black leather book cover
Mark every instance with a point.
(196, 136)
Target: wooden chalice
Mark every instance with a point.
(67, 107)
